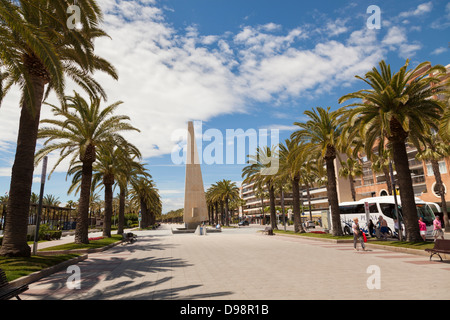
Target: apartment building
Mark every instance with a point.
(424, 183)
(313, 205)
(373, 184)
(254, 203)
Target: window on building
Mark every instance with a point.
(442, 168)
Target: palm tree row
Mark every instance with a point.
(398, 108)
(223, 194)
(38, 52)
(99, 155)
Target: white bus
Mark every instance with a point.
(381, 206)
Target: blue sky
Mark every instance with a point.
(248, 65)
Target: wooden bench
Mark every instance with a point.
(268, 231)
(7, 291)
(440, 246)
(129, 237)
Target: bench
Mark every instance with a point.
(268, 231)
(8, 291)
(129, 237)
(440, 246)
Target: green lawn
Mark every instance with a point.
(401, 244)
(16, 267)
(406, 244)
(93, 244)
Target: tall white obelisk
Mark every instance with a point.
(195, 210)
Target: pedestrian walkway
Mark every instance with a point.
(243, 264)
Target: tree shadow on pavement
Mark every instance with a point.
(126, 277)
(150, 290)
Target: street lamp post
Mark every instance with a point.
(397, 214)
(41, 195)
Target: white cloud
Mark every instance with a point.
(337, 27)
(439, 50)
(280, 127)
(420, 10)
(397, 40)
(395, 36)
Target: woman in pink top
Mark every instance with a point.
(437, 229)
(422, 229)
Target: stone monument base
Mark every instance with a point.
(192, 230)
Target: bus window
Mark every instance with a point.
(426, 213)
(373, 208)
(388, 210)
(350, 209)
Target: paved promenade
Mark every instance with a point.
(243, 264)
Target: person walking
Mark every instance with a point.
(383, 227)
(357, 234)
(422, 229)
(371, 226)
(437, 228)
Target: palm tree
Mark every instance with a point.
(444, 127)
(380, 163)
(130, 170)
(262, 170)
(51, 200)
(395, 107)
(38, 50)
(434, 150)
(210, 205)
(84, 128)
(111, 162)
(216, 199)
(227, 191)
(322, 132)
(34, 198)
(350, 169)
(292, 160)
(144, 194)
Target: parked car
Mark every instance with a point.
(243, 223)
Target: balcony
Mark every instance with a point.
(418, 179)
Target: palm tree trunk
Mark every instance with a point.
(222, 222)
(227, 217)
(144, 214)
(151, 217)
(121, 211)
(82, 227)
(332, 195)
(298, 227)
(15, 233)
(273, 215)
(262, 211)
(352, 187)
(216, 219)
(387, 177)
(406, 190)
(108, 210)
(441, 188)
(308, 194)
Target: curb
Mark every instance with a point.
(35, 276)
(406, 250)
